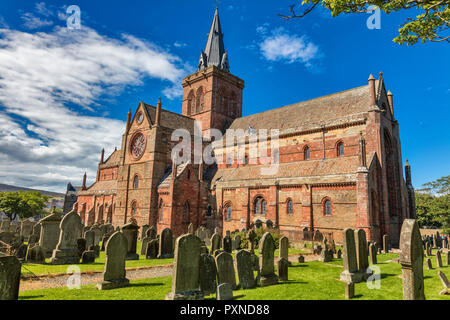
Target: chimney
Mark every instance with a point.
(372, 90)
(128, 120)
(158, 112)
(102, 158)
(391, 101)
(83, 186)
(408, 173)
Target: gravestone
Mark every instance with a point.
(165, 244)
(130, 232)
(145, 227)
(429, 265)
(227, 243)
(151, 233)
(362, 257)
(445, 283)
(349, 290)
(225, 269)
(217, 252)
(190, 228)
(237, 242)
(81, 244)
(244, 268)
(104, 240)
(186, 267)
(269, 224)
(66, 251)
(22, 252)
(98, 234)
(411, 260)
(301, 259)
(258, 224)
(350, 273)
(26, 228)
(89, 236)
(284, 248)
(251, 240)
(49, 233)
(96, 250)
(152, 249)
(283, 267)
(339, 254)
(448, 258)
(266, 260)
(5, 225)
(144, 244)
(114, 275)
(88, 257)
(385, 243)
(32, 239)
(438, 259)
(373, 253)
(216, 242)
(36, 254)
(9, 277)
(208, 274)
(224, 291)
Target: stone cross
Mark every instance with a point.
(225, 269)
(244, 267)
(266, 260)
(114, 275)
(186, 277)
(411, 260)
(66, 251)
(9, 277)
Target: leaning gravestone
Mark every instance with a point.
(190, 228)
(114, 275)
(66, 251)
(361, 251)
(208, 274)
(49, 233)
(130, 232)
(225, 269)
(166, 244)
(216, 242)
(350, 273)
(9, 277)
(186, 277)
(429, 265)
(266, 258)
(411, 260)
(244, 267)
(283, 267)
(445, 282)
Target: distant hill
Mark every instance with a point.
(8, 188)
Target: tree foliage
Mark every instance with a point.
(22, 204)
(431, 24)
(433, 204)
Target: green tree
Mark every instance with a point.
(23, 204)
(431, 24)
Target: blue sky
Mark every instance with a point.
(68, 92)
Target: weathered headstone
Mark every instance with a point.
(114, 275)
(186, 277)
(224, 291)
(89, 236)
(88, 257)
(445, 283)
(9, 277)
(36, 254)
(244, 268)
(385, 243)
(283, 268)
(66, 251)
(237, 242)
(130, 232)
(438, 259)
(49, 233)
(216, 242)
(225, 269)
(251, 240)
(227, 243)
(349, 290)
(26, 228)
(339, 254)
(144, 244)
(411, 260)
(284, 248)
(166, 244)
(301, 259)
(429, 265)
(21, 253)
(362, 256)
(81, 244)
(350, 273)
(208, 274)
(373, 253)
(266, 260)
(152, 249)
(190, 228)
(144, 229)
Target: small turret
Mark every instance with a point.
(372, 90)
(158, 113)
(83, 186)
(102, 157)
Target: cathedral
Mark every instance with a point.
(339, 163)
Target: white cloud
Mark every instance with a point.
(282, 46)
(44, 142)
(179, 44)
(33, 22)
(42, 9)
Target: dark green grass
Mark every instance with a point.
(308, 281)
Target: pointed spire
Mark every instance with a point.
(83, 186)
(128, 120)
(408, 173)
(102, 157)
(158, 112)
(372, 92)
(214, 53)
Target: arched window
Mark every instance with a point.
(263, 207)
(327, 207)
(161, 210)
(136, 182)
(200, 101)
(260, 206)
(186, 213)
(191, 99)
(307, 153)
(340, 149)
(290, 206)
(228, 212)
(134, 208)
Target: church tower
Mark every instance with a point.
(213, 95)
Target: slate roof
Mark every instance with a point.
(112, 161)
(171, 119)
(101, 188)
(165, 181)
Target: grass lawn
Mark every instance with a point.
(309, 281)
(44, 269)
